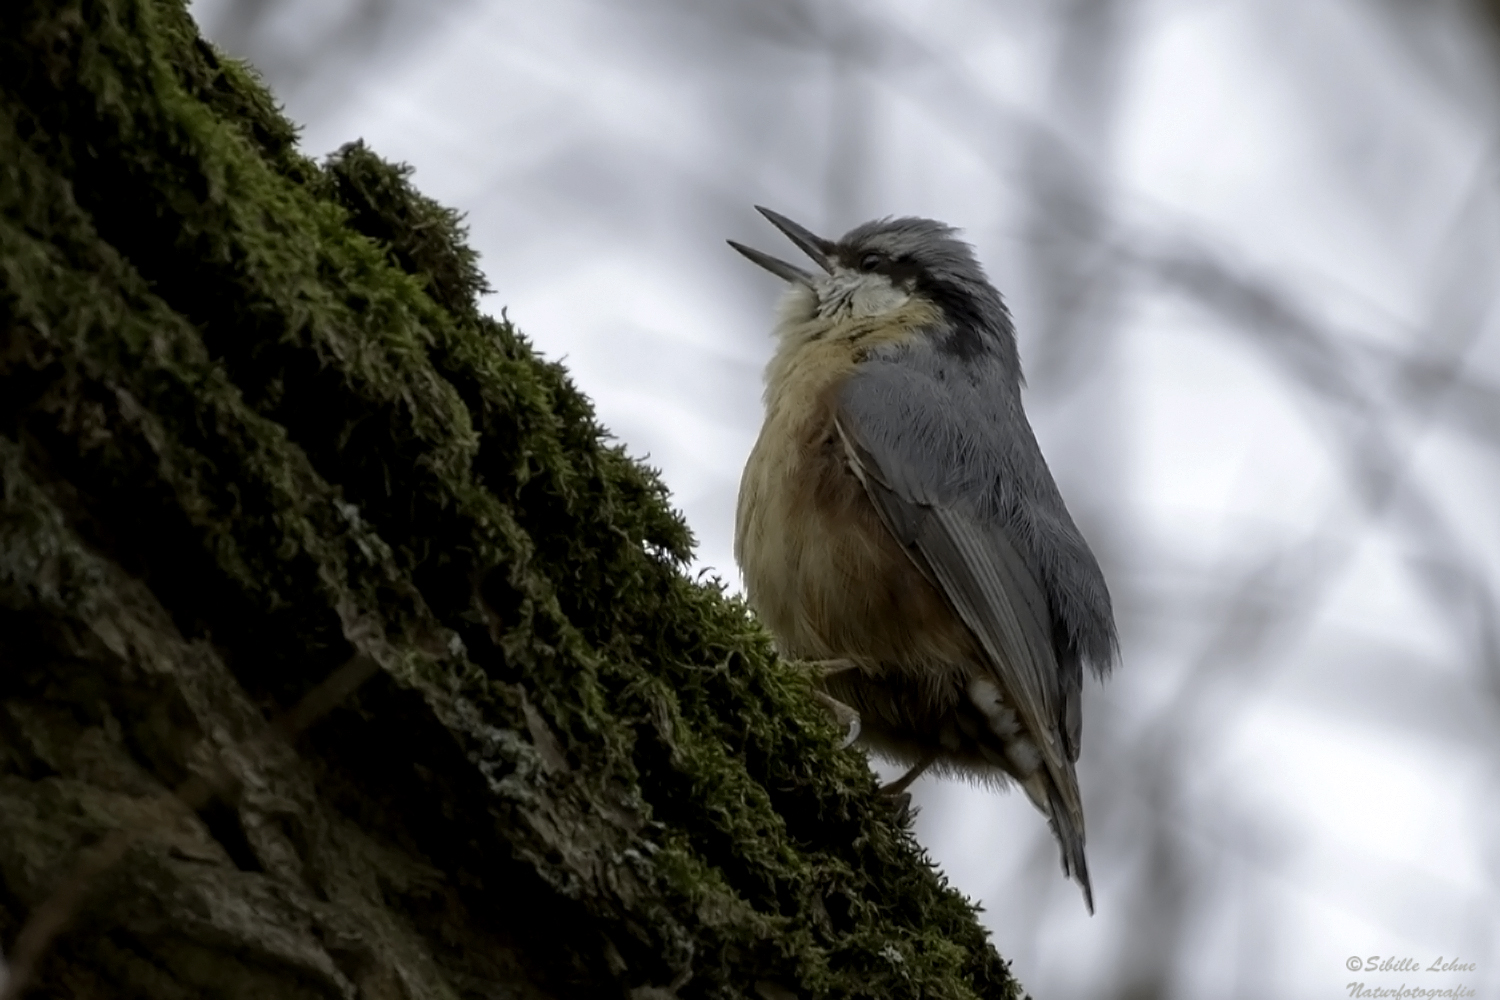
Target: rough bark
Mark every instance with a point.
(254, 429)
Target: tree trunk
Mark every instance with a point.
(340, 655)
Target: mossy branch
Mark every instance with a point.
(253, 426)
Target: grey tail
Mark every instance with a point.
(1068, 828)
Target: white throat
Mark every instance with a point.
(846, 294)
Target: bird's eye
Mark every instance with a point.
(870, 262)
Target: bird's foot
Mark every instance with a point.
(901, 806)
(900, 785)
(823, 669)
(844, 715)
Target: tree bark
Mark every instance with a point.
(340, 654)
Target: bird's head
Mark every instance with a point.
(878, 267)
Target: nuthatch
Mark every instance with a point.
(899, 528)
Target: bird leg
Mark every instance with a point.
(900, 784)
(844, 715)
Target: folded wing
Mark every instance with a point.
(977, 567)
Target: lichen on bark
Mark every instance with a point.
(253, 425)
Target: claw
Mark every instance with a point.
(843, 715)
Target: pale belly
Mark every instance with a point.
(820, 568)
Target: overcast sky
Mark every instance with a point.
(1252, 247)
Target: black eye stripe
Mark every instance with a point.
(862, 260)
(901, 270)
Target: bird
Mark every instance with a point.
(898, 530)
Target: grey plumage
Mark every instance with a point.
(952, 433)
(925, 407)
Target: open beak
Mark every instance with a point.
(814, 246)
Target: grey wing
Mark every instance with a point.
(986, 581)
(994, 592)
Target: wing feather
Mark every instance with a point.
(986, 581)
(946, 457)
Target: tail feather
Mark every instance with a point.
(1067, 826)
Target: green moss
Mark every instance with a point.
(267, 390)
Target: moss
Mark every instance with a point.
(261, 390)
